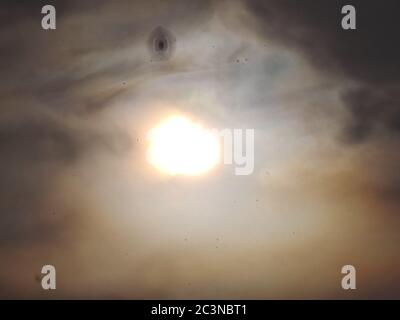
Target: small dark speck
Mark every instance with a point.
(256, 200)
(237, 60)
(185, 239)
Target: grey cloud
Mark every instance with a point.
(367, 58)
(57, 87)
(55, 83)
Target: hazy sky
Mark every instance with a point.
(77, 191)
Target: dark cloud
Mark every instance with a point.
(363, 62)
(41, 83)
(36, 152)
(38, 139)
(55, 87)
(370, 106)
(54, 84)
(368, 57)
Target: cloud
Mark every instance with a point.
(55, 87)
(75, 191)
(365, 60)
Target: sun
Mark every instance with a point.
(179, 146)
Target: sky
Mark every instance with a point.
(77, 191)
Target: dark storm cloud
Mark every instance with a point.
(368, 57)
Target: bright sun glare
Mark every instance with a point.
(178, 146)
